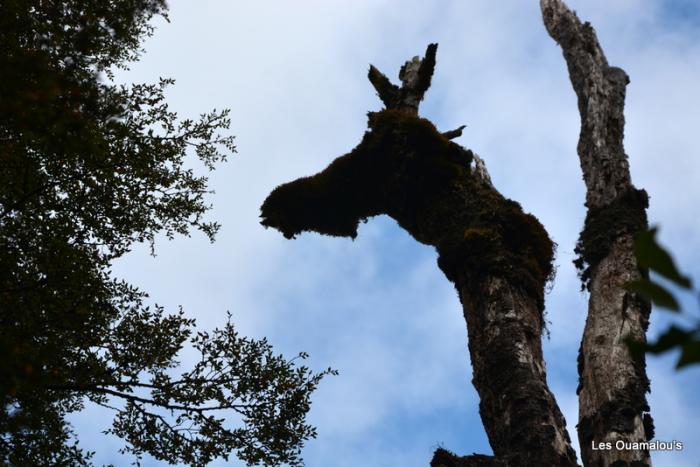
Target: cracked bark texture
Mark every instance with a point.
(612, 384)
(498, 257)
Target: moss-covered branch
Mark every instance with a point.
(498, 256)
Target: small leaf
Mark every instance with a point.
(690, 353)
(651, 255)
(673, 337)
(658, 295)
(635, 347)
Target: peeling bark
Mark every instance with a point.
(498, 257)
(613, 385)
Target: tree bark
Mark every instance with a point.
(498, 257)
(612, 384)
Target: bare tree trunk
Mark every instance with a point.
(498, 257)
(612, 385)
(521, 417)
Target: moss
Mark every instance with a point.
(626, 214)
(358, 185)
(501, 240)
(618, 414)
(406, 168)
(475, 254)
(444, 458)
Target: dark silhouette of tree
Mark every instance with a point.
(87, 168)
(500, 258)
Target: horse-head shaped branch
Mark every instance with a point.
(434, 188)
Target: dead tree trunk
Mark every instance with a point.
(498, 257)
(612, 384)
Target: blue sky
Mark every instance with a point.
(377, 308)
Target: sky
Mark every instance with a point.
(378, 309)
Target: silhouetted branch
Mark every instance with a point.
(388, 92)
(456, 133)
(415, 76)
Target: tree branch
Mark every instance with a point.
(417, 73)
(387, 92)
(601, 99)
(135, 398)
(415, 76)
(613, 384)
(456, 133)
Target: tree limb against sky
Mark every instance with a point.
(613, 383)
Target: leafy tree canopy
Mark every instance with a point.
(87, 168)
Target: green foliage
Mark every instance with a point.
(654, 257)
(655, 293)
(87, 168)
